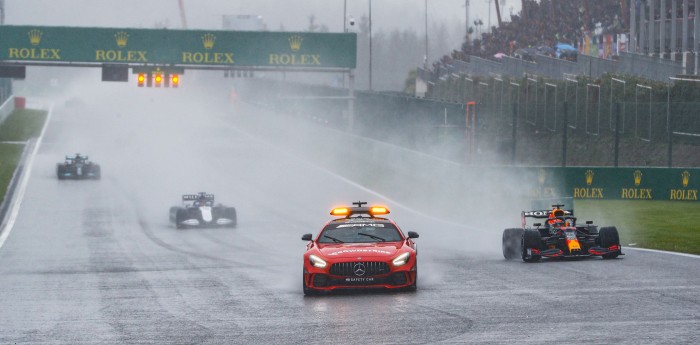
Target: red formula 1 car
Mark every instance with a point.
(358, 251)
(559, 236)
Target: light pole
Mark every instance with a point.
(426, 34)
(345, 15)
(489, 1)
(466, 21)
(370, 45)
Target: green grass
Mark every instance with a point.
(665, 225)
(22, 125)
(9, 157)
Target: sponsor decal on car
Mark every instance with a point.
(372, 225)
(370, 251)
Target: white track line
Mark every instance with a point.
(663, 252)
(19, 196)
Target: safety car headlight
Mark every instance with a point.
(316, 261)
(401, 259)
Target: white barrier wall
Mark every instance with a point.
(7, 108)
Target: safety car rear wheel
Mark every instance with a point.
(608, 238)
(511, 243)
(531, 239)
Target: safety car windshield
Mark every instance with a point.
(359, 233)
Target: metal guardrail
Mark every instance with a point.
(652, 68)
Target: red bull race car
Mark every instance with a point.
(360, 250)
(559, 237)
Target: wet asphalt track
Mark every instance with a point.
(96, 262)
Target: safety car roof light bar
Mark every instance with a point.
(359, 210)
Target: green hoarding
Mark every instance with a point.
(177, 47)
(675, 184)
(670, 184)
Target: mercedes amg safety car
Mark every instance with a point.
(199, 211)
(559, 236)
(78, 168)
(360, 250)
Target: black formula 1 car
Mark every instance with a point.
(199, 211)
(78, 168)
(559, 236)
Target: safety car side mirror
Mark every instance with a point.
(306, 237)
(412, 234)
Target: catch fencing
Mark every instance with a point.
(528, 122)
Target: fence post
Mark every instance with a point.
(565, 134)
(617, 132)
(515, 133)
(670, 139)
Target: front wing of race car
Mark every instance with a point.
(559, 253)
(203, 217)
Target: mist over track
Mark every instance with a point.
(97, 262)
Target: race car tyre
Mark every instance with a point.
(172, 214)
(59, 172)
(511, 243)
(97, 171)
(180, 216)
(609, 237)
(531, 240)
(230, 213)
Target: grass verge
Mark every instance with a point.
(9, 157)
(665, 225)
(20, 126)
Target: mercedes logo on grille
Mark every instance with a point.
(359, 269)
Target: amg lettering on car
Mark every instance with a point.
(371, 251)
(360, 225)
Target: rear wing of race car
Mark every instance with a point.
(195, 197)
(544, 214)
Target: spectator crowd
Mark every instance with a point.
(542, 24)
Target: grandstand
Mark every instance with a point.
(652, 39)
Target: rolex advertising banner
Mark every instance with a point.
(676, 184)
(177, 47)
(671, 184)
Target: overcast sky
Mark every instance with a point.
(206, 14)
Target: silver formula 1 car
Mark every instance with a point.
(78, 168)
(199, 211)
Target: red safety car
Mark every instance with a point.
(360, 250)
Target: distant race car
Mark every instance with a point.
(199, 211)
(78, 168)
(360, 250)
(559, 236)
